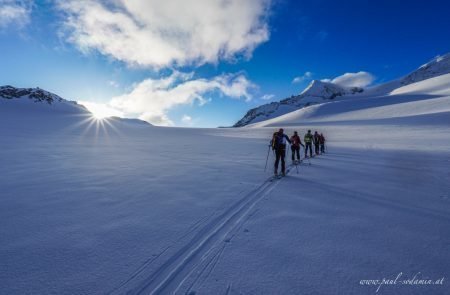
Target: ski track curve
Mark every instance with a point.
(194, 261)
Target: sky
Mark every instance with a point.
(205, 63)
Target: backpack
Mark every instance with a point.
(316, 138)
(308, 138)
(277, 140)
(295, 140)
(273, 141)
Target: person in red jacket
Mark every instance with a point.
(295, 147)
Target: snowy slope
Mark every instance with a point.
(322, 92)
(91, 209)
(408, 103)
(87, 204)
(109, 206)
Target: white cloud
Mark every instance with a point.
(167, 33)
(267, 96)
(15, 12)
(359, 79)
(151, 99)
(304, 77)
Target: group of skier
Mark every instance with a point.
(279, 142)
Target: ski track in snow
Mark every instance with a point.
(196, 259)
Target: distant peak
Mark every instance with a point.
(440, 59)
(37, 94)
(313, 87)
(440, 65)
(328, 90)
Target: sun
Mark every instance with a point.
(101, 111)
(100, 114)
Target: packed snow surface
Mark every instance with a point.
(115, 206)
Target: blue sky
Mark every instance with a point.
(205, 65)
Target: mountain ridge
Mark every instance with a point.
(319, 91)
(37, 94)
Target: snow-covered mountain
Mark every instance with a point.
(36, 103)
(316, 92)
(436, 67)
(425, 102)
(319, 92)
(24, 99)
(36, 94)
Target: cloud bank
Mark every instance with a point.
(359, 79)
(151, 99)
(13, 12)
(158, 34)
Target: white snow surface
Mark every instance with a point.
(121, 207)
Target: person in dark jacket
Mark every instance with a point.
(316, 143)
(279, 140)
(295, 147)
(308, 143)
(322, 143)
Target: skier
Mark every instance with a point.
(322, 143)
(308, 143)
(295, 147)
(316, 143)
(279, 146)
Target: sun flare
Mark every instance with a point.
(101, 111)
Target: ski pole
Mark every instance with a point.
(267, 159)
(287, 152)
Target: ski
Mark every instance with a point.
(275, 177)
